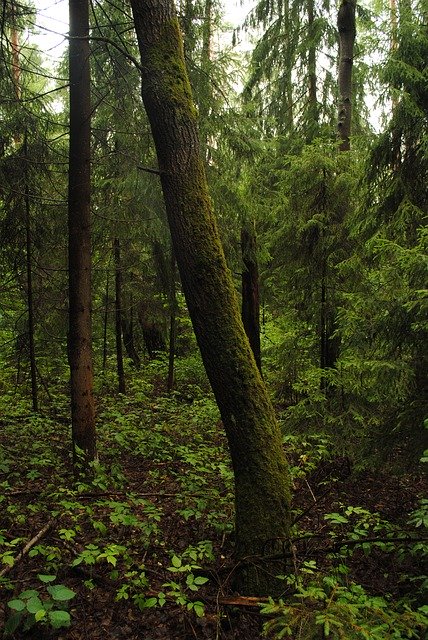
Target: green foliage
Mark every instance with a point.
(45, 607)
(335, 610)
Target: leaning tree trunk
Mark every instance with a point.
(79, 233)
(262, 485)
(347, 33)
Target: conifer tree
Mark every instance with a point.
(79, 228)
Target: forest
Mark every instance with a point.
(213, 321)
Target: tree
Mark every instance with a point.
(262, 485)
(79, 229)
(251, 290)
(384, 320)
(347, 33)
(118, 302)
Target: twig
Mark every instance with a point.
(310, 491)
(353, 543)
(148, 170)
(28, 546)
(118, 494)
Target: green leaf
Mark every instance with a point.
(9, 560)
(60, 592)
(16, 605)
(45, 578)
(336, 518)
(77, 561)
(40, 614)
(59, 619)
(200, 580)
(176, 562)
(34, 605)
(30, 593)
(150, 603)
(199, 609)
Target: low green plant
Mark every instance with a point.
(46, 606)
(325, 608)
(92, 554)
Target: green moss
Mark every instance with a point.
(167, 58)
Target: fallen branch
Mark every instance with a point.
(232, 601)
(242, 601)
(122, 494)
(28, 546)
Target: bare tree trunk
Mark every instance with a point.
(79, 230)
(118, 315)
(128, 335)
(172, 324)
(347, 33)
(313, 111)
(105, 323)
(262, 484)
(204, 88)
(250, 290)
(30, 303)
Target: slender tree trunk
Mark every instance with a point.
(79, 230)
(204, 88)
(323, 323)
(347, 33)
(118, 315)
(250, 290)
(172, 324)
(262, 484)
(16, 75)
(284, 14)
(30, 303)
(105, 323)
(128, 335)
(313, 111)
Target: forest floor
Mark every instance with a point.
(146, 545)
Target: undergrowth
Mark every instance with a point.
(151, 527)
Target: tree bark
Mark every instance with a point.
(262, 484)
(347, 32)
(250, 310)
(30, 301)
(79, 230)
(118, 315)
(172, 324)
(313, 109)
(128, 335)
(105, 323)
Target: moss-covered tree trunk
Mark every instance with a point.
(262, 485)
